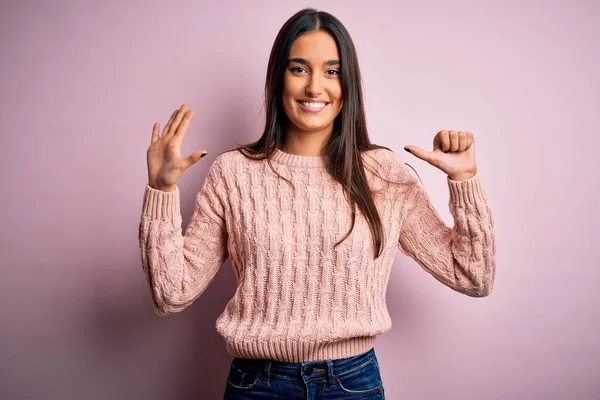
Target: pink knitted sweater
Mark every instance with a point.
(298, 298)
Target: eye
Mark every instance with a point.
(296, 69)
(336, 72)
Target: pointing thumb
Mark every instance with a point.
(419, 153)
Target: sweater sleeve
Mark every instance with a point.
(178, 267)
(461, 257)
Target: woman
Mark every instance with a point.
(310, 216)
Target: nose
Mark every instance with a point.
(315, 86)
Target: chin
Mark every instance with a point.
(312, 128)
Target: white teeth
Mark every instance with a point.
(314, 105)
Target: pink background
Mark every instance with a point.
(82, 83)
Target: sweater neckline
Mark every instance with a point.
(298, 161)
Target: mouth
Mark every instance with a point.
(312, 107)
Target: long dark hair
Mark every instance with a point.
(349, 137)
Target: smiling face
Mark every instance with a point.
(312, 88)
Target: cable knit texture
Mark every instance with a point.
(298, 297)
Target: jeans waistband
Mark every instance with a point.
(312, 369)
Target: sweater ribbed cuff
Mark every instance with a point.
(161, 205)
(467, 193)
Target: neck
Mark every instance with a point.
(302, 143)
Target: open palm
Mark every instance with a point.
(165, 163)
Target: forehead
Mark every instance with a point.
(316, 47)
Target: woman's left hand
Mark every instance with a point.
(453, 152)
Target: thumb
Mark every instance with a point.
(193, 158)
(420, 153)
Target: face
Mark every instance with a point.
(312, 89)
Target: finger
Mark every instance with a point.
(444, 138)
(177, 119)
(471, 142)
(454, 143)
(470, 139)
(462, 141)
(155, 130)
(193, 158)
(183, 127)
(420, 153)
(437, 142)
(169, 123)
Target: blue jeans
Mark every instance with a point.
(345, 378)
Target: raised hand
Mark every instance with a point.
(453, 153)
(165, 163)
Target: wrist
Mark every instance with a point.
(462, 176)
(163, 188)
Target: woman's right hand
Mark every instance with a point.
(165, 164)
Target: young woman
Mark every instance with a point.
(310, 216)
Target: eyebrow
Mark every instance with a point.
(306, 62)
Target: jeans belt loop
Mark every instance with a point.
(267, 372)
(330, 376)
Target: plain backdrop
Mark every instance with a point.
(82, 83)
